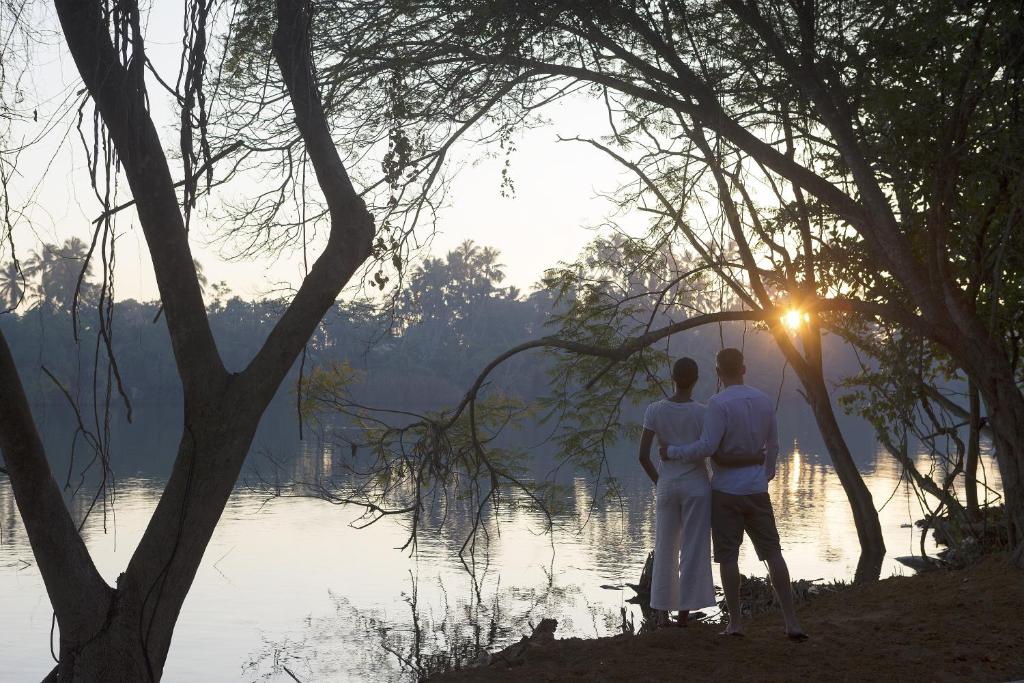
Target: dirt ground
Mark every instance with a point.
(965, 625)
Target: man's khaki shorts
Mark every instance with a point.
(731, 515)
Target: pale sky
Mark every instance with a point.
(556, 200)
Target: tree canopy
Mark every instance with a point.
(869, 149)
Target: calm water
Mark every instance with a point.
(289, 583)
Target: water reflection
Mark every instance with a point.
(418, 640)
(289, 581)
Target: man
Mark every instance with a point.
(681, 579)
(740, 428)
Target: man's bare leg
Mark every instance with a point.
(730, 572)
(779, 572)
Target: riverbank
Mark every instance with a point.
(956, 625)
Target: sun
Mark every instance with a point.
(793, 318)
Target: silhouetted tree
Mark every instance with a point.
(12, 284)
(58, 269)
(123, 632)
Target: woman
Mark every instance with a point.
(681, 578)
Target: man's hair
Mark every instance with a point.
(684, 372)
(730, 362)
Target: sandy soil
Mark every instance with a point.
(965, 625)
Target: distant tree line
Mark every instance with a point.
(454, 315)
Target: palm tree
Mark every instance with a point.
(59, 269)
(12, 284)
(39, 262)
(491, 268)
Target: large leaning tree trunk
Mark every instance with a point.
(865, 516)
(123, 633)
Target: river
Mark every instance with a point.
(289, 585)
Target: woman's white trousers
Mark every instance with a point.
(682, 544)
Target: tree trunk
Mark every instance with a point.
(865, 516)
(114, 655)
(212, 451)
(1009, 455)
(809, 369)
(1005, 406)
(135, 636)
(973, 451)
(124, 634)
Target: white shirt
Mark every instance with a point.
(739, 420)
(676, 423)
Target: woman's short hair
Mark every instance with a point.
(684, 372)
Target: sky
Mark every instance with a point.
(551, 216)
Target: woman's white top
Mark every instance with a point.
(676, 424)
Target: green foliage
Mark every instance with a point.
(428, 465)
(249, 43)
(430, 360)
(618, 290)
(896, 393)
(887, 392)
(938, 90)
(325, 384)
